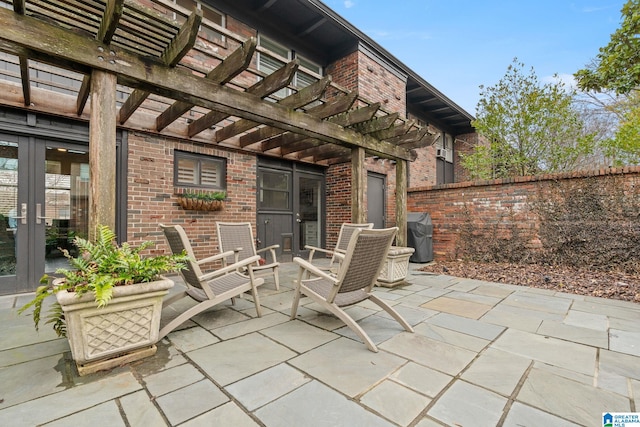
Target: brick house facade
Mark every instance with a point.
(147, 194)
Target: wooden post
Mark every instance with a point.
(401, 202)
(102, 152)
(358, 186)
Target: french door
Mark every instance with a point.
(290, 207)
(44, 204)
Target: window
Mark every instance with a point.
(196, 170)
(275, 190)
(307, 72)
(208, 14)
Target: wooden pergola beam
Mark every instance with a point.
(174, 52)
(377, 124)
(410, 137)
(108, 25)
(272, 83)
(394, 131)
(224, 72)
(334, 106)
(427, 140)
(299, 99)
(358, 186)
(67, 49)
(353, 117)
(19, 7)
(305, 146)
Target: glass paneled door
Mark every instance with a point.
(44, 202)
(308, 207)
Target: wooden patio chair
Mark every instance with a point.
(361, 266)
(238, 237)
(211, 288)
(346, 231)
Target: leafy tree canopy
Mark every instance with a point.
(531, 128)
(617, 66)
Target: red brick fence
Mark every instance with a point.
(586, 218)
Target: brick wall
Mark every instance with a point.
(498, 208)
(422, 171)
(358, 72)
(372, 81)
(151, 198)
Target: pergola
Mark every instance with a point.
(120, 43)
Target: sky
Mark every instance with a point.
(458, 45)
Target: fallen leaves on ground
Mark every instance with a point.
(613, 285)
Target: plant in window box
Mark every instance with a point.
(202, 201)
(109, 303)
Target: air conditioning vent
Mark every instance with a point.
(441, 153)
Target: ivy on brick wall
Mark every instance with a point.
(591, 222)
(499, 239)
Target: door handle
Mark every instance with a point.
(23, 213)
(39, 216)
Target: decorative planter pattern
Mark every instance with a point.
(396, 267)
(194, 204)
(130, 322)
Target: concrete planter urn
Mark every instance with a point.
(396, 267)
(123, 331)
(109, 300)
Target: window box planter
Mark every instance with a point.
(202, 201)
(123, 331)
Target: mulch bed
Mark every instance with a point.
(613, 285)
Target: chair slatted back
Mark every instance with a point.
(179, 242)
(346, 231)
(232, 235)
(365, 256)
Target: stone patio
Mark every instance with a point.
(483, 354)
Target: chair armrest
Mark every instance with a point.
(315, 249)
(229, 268)
(214, 257)
(271, 249)
(306, 265)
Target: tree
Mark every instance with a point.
(531, 128)
(617, 69)
(617, 66)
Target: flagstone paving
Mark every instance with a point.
(483, 354)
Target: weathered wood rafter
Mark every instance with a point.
(299, 144)
(299, 99)
(332, 107)
(108, 25)
(413, 136)
(45, 42)
(394, 131)
(377, 124)
(223, 73)
(19, 8)
(272, 83)
(174, 52)
(427, 140)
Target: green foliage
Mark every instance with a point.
(617, 66)
(624, 147)
(617, 69)
(99, 267)
(217, 195)
(531, 128)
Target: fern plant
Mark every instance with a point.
(99, 267)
